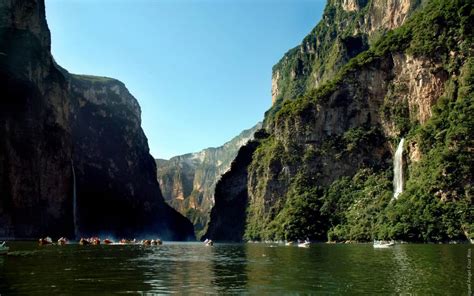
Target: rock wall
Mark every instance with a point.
(347, 28)
(231, 193)
(188, 181)
(50, 120)
(34, 127)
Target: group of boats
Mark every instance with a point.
(48, 241)
(97, 241)
(378, 244)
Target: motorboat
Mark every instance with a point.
(208, 242)
(124, 241)
(45, 241)
(289, 243)
(380, 244)
(84, 242)
(304, 244)
(62, 241)
(156, 242)
(4, 248)
(108, 241)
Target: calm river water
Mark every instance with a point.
(235, 268)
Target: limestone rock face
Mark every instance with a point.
(389, 14)
(35, 146)
(188, 181)
(342, 33)
(52, 121)
(231, 193)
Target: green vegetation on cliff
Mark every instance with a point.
(325, 171)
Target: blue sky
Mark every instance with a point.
(200, 69)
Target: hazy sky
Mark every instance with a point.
(201, 70)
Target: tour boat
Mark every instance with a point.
(3, 248)
(383, 244)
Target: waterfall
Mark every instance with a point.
(74, 200)
(398, 170)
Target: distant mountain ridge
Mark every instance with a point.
(188, 181)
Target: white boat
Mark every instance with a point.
(208, 242)
(289, 243)
(304, 244)
(383, 244)
(3, 248)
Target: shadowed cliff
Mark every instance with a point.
(49, 120)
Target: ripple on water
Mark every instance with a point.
(234, 269)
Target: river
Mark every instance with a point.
(235, 268)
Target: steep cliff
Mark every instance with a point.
(229, 212)
(347, 28)
(54, 123)
(188, 181)
(325, 171)
(35, 146)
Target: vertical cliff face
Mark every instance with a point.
(347, 28)
(325, 171)
(228, 215)
(188, 181)
(34, 126)
(51, 121)
(116, 175)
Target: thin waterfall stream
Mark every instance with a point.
(398, 170)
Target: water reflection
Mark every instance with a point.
(175, 268)
(235, 269)
(229, 266)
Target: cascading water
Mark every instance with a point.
(74, 200)
(398, 170)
